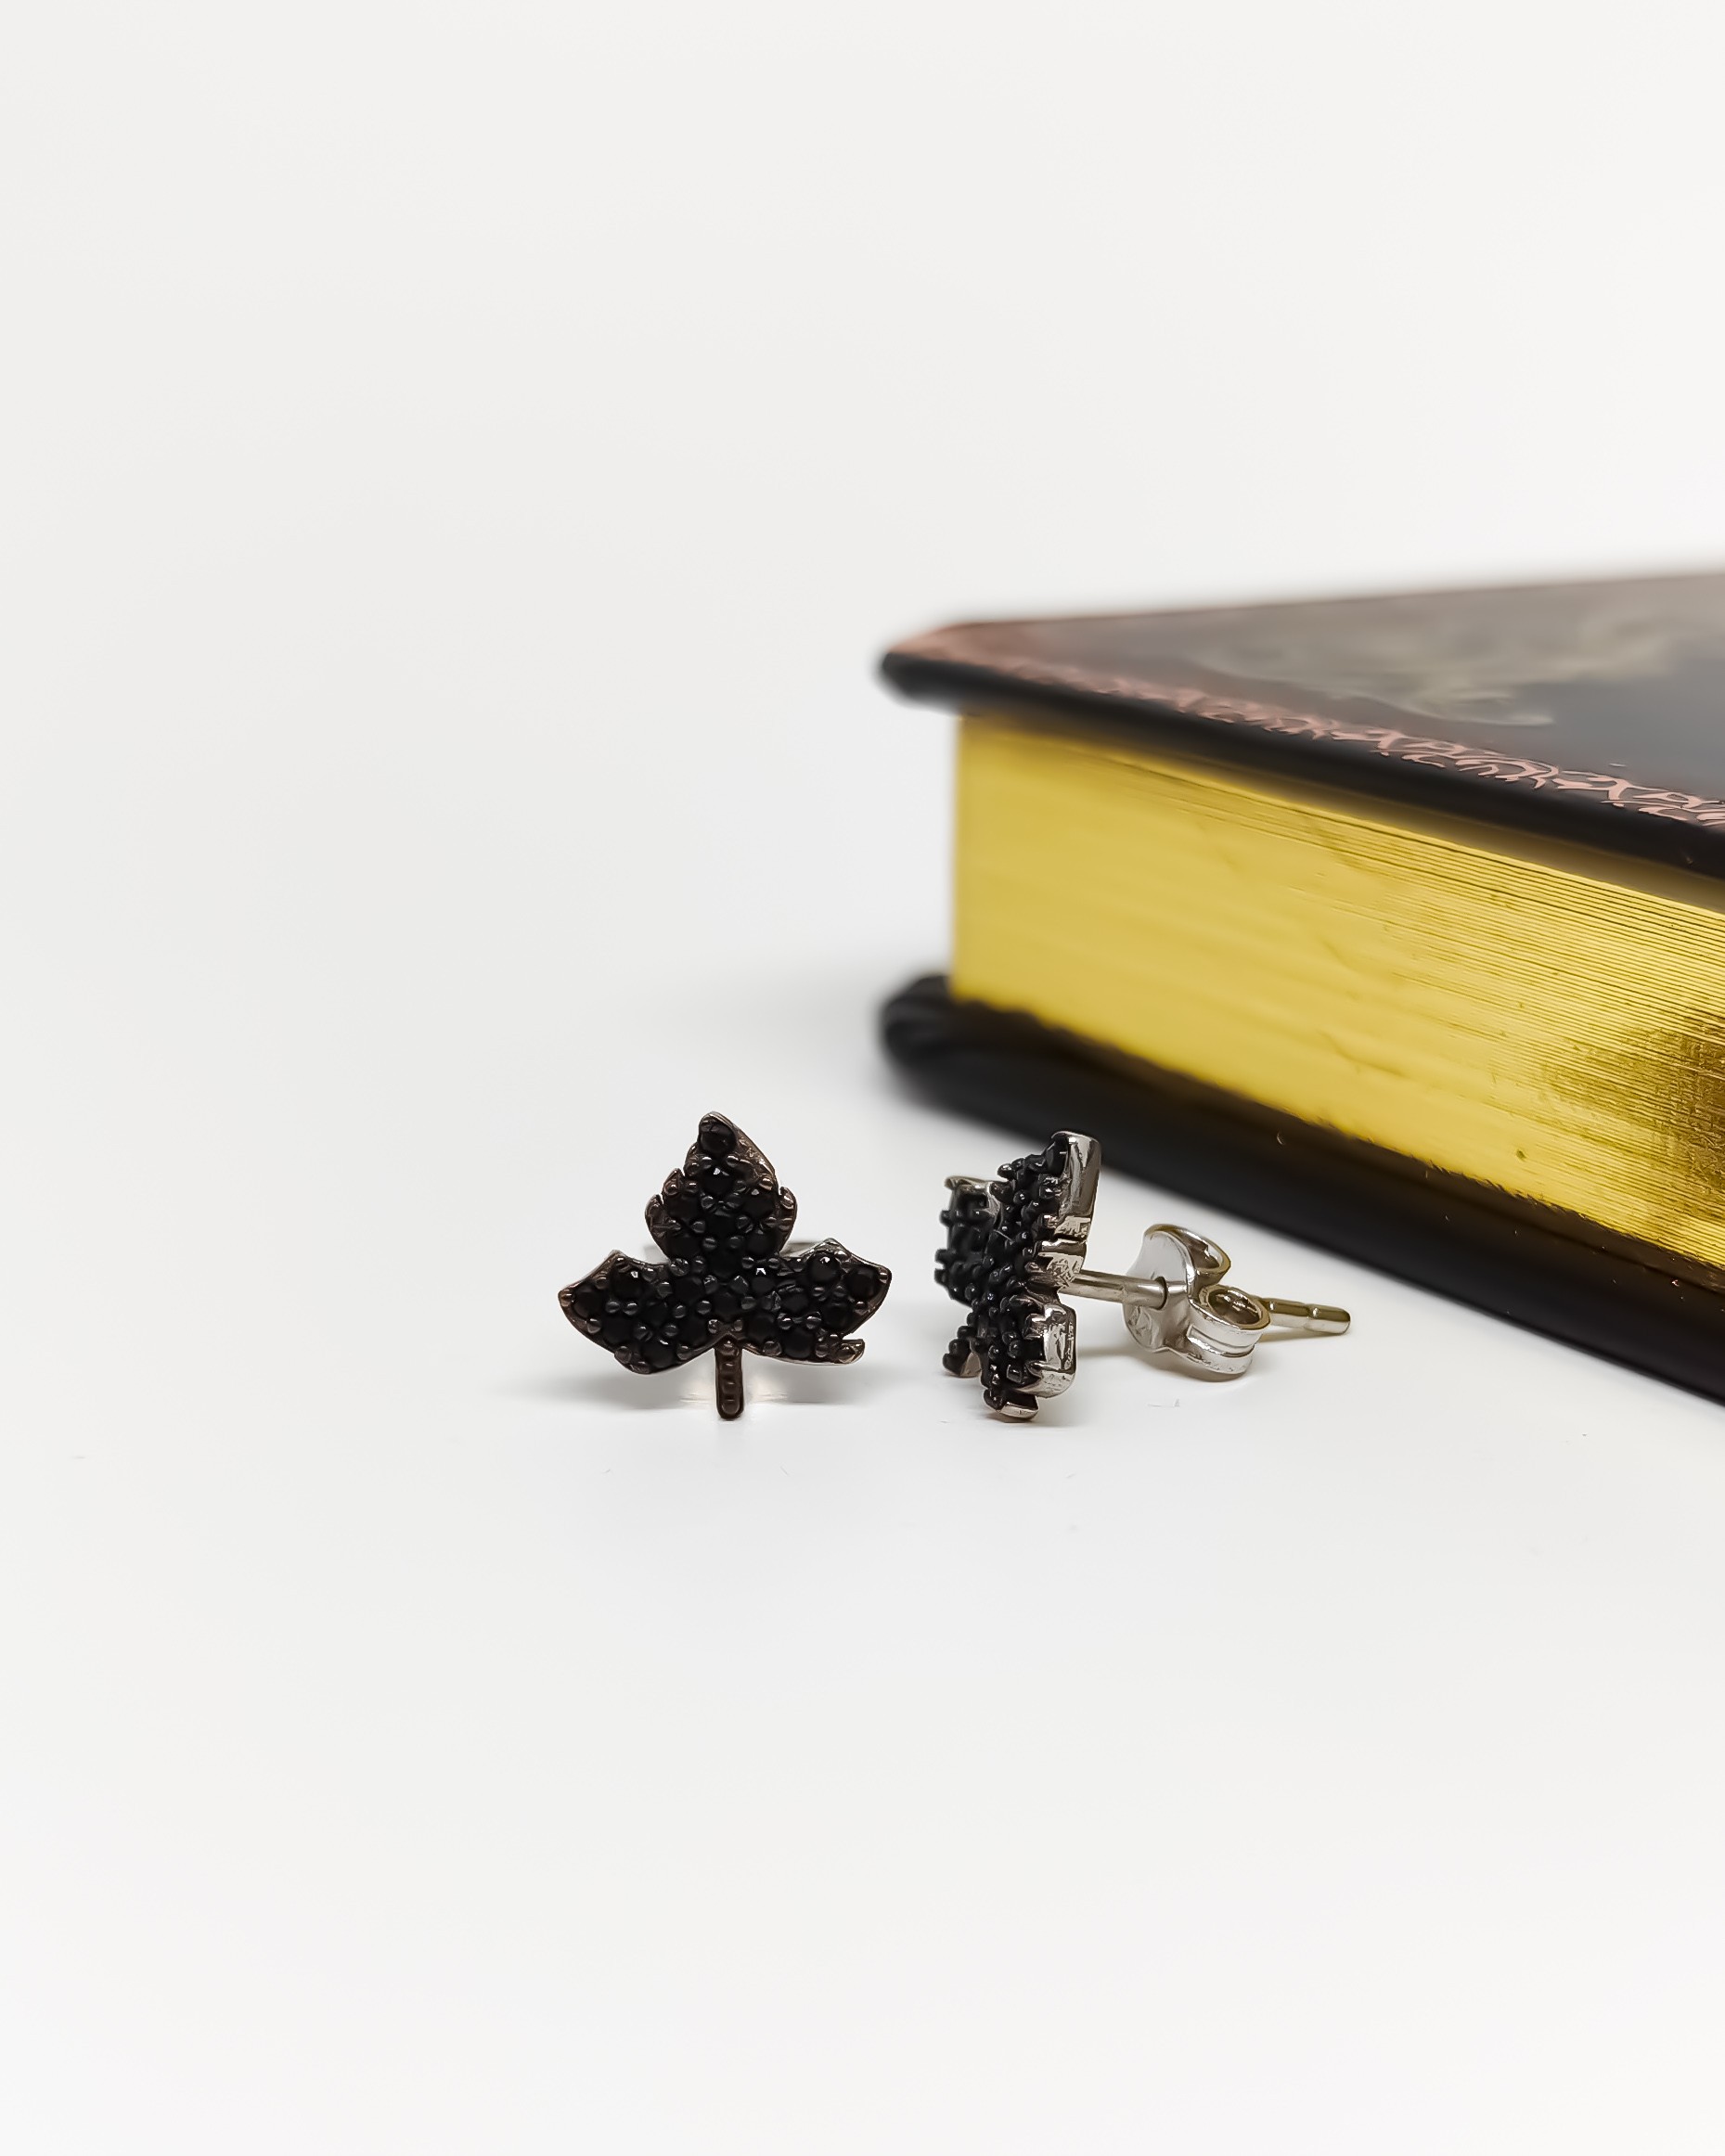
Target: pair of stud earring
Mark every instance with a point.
(731, 1279)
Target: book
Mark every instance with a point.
(1396, 922)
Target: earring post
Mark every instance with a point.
(1098, 1287)
(1117, 1287)
(1306, 1316)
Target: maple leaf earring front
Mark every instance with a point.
(728, 1281)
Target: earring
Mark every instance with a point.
(730, 1283)
(1015, 1246)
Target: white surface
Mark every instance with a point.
(460, 464)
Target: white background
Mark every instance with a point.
(460, 465)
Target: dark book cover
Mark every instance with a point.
(1593, 711)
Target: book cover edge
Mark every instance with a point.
(1610, 814)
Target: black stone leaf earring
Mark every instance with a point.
(1004, 1253)
(1014, 1246)
(729, 1281)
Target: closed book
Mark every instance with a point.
(1398, 923)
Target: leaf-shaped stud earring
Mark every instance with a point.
(1015, 1246)
(1010, 1247)
(728, 1282)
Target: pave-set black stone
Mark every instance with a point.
(1008, 1246)
(728, 1282)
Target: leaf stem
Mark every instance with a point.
(727, 1378)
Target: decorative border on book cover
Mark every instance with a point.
(963, 647)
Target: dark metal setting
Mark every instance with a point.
(728, 1282)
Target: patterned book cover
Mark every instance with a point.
(1592, 710)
